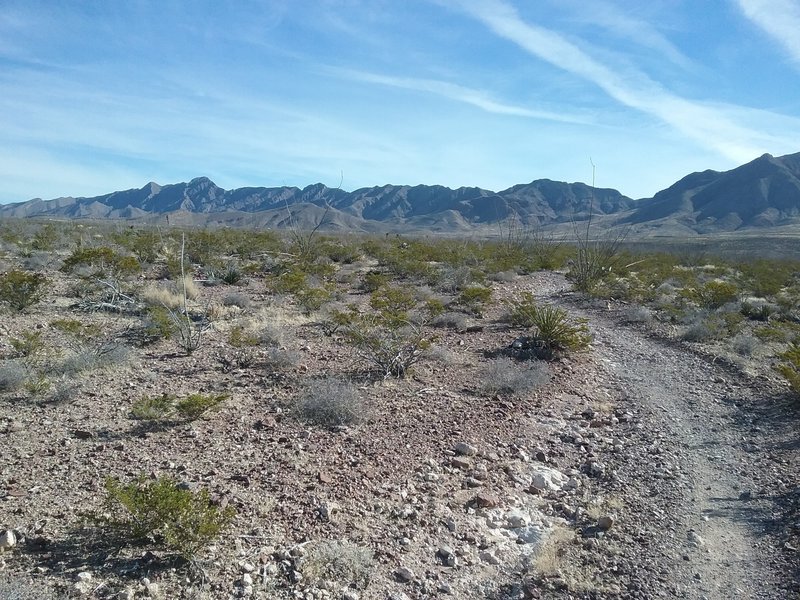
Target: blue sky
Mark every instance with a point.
(97, 96)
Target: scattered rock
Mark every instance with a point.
(605, 522)
(465, 449)
(461, 463)
(404, 574)
(486, 499)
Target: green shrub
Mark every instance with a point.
(102, 260)
(311, 299)
(177, 519)
(522, 312)
(239, 337)
(330, 402)
(28, 344)
(21, 290)
(712, 294)
(194, 406)
(189, 407)
(475, 298)
(373, 281)
(393, 304)
(153, 408)
(75, 328)
(790, 367)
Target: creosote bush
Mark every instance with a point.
(166, 406)
(162, 512)
(20, 290)
(330, 402)
(790, 366)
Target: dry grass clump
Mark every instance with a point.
(159, 295)
(331, 402)
(504, 376)
(339, 560)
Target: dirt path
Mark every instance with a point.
(703, 469)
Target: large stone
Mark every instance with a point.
(486, 499)
(465, 449)
(404, 574)
(605, 522)
(547, 479)
(7, 540)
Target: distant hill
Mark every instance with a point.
(762, 193)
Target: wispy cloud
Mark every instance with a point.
(706, 124)
(459, 93)
(625, 25)
(779, 18)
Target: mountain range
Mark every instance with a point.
(762, 193)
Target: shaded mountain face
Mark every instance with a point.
(537, 202)
(762, 193)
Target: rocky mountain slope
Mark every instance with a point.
(762, 193)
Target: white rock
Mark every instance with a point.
(83, 576)
(247, 580)
(530, 535)
(248, 567)
(351, 595)
(7, 540)
(545, 478)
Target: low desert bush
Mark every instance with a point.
(177, 519)
(451, 320)
(241, 337)
(28, 344)
(166, 406)
(100, 355)
(194, 406)
(330, 402)
(790, 366)
(236, 299)
(745, 345)
(505, 376)
(712, 294)
(475, 299)
(341, 561)
(20, 289)
(280, 359)
(13, 374)
(153, 408)
(392, 350)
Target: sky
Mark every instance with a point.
(105, 95)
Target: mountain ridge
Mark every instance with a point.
(762, 193)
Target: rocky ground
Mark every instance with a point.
(642, 469)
